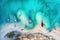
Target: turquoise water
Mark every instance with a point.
(49, 12)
